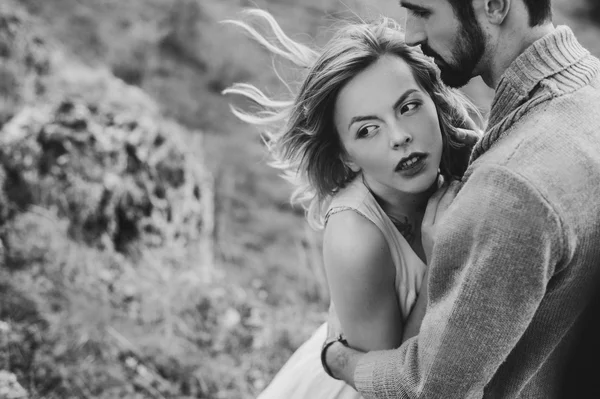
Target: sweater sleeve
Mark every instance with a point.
(495, 252)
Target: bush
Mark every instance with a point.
(81, 180)
(113, 175)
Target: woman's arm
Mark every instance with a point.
(361, 277)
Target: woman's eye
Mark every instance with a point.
(410, 107)
(365, 131)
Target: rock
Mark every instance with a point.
(10, 387)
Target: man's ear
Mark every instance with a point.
(496, 10)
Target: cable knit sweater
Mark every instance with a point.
(518, 254)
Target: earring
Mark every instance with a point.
(440, 178)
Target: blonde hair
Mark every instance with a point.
(300, 133)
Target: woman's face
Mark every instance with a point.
(389, 128)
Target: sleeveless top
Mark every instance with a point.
(410, 269)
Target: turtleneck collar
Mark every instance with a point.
(557, 57)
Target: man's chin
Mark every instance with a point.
(454, 79)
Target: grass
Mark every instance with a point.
(173, 323)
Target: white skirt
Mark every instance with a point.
(303, 377)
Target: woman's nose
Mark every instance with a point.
(399, 137)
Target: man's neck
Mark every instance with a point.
(514, 44)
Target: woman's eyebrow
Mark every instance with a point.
(404, 96)
(400, 100)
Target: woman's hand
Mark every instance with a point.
(436, 208)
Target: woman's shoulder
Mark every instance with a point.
(354, 242)
(354, 193)
(351, 222)
(351, 197)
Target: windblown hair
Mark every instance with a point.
(301, 135)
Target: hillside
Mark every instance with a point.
(148, 251)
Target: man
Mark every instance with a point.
(517, 254)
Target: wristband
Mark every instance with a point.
(330, 341)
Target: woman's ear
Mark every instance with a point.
(353, 167)
(350, 164)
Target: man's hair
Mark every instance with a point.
(540, 11)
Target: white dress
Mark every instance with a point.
(303, 377)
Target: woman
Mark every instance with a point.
(367, 139)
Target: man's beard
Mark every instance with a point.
(466, 54)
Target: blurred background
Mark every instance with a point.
(147, 250)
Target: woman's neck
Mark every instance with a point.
(405, 210)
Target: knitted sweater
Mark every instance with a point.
(517, 256)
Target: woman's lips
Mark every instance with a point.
(413, 168)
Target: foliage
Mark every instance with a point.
(118, 177)
(127, 268)
(107, 255)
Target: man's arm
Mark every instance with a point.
(496, 251)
